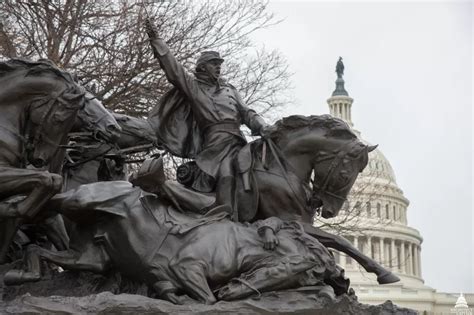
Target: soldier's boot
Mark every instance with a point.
(225, 191)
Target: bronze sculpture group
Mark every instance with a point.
(239, 220)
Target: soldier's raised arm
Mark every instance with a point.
(174, 71)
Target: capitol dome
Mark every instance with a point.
(378, 164)
(461, 302)
(374, 220)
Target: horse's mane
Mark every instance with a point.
(334, 127)
(38, 67)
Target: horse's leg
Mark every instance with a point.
(84, 254)
(38, 185)
(191, 274)
(54, 227)
(56, 232)
(266, 278)
(339, 243)
(93, 259)
(32, 272)
(8, 229)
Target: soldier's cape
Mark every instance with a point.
(175, 125)
(178, 132)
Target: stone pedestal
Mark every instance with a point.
(85, 293)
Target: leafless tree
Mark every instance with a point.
(105, 44)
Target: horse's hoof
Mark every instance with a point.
(15, 277)
(173, 298)
(387, 278)
(327, 292)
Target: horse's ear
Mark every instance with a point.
(371, 148)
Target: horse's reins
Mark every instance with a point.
(93, 157)
(337, 159)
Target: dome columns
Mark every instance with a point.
(369, 247)
(398, 255)
(381, 250)
(410, 259)
(415, 261)
(340, 106)
(393, 255)
(418, 260)
(403, 260)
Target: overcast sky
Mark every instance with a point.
(408, 67)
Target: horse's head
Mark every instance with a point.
(50, 99)
(51, 118)
(335, 172)
(327, 148)
(96, 118)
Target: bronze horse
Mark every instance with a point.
(303, 163)
(38, 106)
(310, 165)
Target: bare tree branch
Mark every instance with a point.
(105, 44)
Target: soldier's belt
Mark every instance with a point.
(222, 126)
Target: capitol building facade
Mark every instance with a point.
(374, 220)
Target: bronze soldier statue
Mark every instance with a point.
(201, 119)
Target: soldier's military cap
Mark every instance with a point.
(207, 56)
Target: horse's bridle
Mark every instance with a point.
(337, 157)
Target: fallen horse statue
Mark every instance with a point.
(207, 257)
